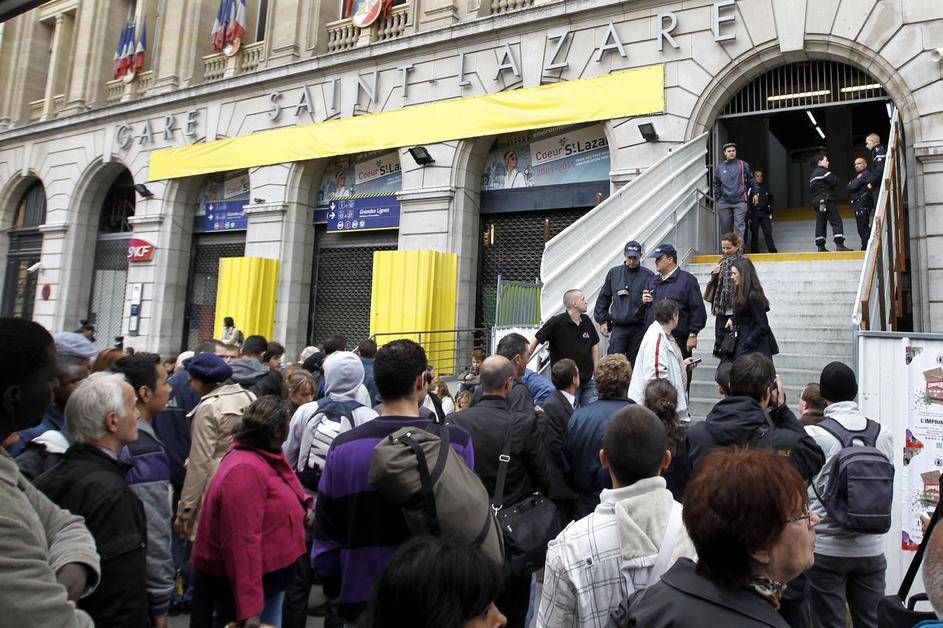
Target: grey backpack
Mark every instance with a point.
(439, 495)
(860, 487)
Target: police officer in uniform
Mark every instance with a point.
(761, 215)
(619, 310)
(878, 156)
(822, 184)
(861, 199)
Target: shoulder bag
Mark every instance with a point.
(711, 288)
(528, 525)
(891, 610)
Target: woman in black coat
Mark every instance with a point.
(747, 515)
(750, 306)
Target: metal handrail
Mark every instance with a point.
(884, 263)
(447, 350)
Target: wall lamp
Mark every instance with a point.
(647, 129)
(141, 189)
(421, 155)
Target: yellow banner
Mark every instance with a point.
(618, 95)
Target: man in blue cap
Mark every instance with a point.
(619, 308)
(670, 282)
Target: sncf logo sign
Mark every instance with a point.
(140, 250)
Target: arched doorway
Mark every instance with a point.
(349, 230)
(782, 118)
(534, 185)
(110, 272)
(26, 242)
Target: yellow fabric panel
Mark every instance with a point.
(414, 291)
(617, 95)
(246, 291)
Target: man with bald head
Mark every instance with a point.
(571, 334)
(490, 422)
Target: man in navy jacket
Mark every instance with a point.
(619, 308)
(670, 282)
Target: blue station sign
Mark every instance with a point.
(362, 214)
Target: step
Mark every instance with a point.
(804, 256)
(785, 360)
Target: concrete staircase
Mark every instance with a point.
(811, 298)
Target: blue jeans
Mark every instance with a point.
(855, 581)
(586, 393)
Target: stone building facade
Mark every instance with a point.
(76, 130)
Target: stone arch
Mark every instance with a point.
(747, 67)
(83, 217)
(11, 193)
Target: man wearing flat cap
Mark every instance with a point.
(212, 424)
(733, 180)
(619, 309)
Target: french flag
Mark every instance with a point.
(119, 50)
(219, 25)
(140, 50)
(236, 26)
(127, 52)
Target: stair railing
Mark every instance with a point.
(659, 205)
(879, 302)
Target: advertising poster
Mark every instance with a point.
(223, 201)
(363, 175)
(923, 449)
(556, 156)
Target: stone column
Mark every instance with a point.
(48, 313)
(167, 223)
(57, 66)
(928, 288)
(285, 231)
(438, 13)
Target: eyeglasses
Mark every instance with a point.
(806, 514)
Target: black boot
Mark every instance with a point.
(822, 248)
(840, 246)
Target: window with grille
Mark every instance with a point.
(512, 246)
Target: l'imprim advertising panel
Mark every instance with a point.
(556, 156)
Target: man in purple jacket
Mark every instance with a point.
(356, 530)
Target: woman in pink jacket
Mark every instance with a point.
(251, 528)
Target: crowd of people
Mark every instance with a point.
(744, 204)
(226, 483)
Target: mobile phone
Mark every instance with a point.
(695, 361)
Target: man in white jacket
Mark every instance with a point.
(849, 566)
(634, 535)
(659, 357)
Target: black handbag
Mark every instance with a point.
(773, 345)
(892, 613)
(528, 525)
(728, 345)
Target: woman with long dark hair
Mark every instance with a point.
(750, 306)
(722, 303)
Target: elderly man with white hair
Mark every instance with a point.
(101, 418)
